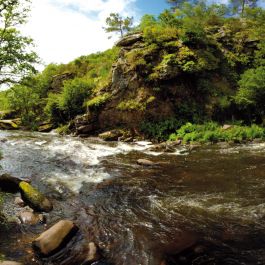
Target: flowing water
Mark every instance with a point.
(139, 215)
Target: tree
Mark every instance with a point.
(116, 23)
(251, 93)
(16, 55)
(239, 6)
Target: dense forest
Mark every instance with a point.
(194, 63)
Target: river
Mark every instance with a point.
(136, 215)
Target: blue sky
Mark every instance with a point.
(154, 7)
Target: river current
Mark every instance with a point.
(136, 214)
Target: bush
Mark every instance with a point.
(252, 90)
(73, 96)
(98, 100)
(159, 131)
(212, 132)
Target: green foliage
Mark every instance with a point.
(4, 105)
(73, 96)
(59, 92)
(161, 130)
(66, 105)
(16, 55)
(26, 102)
(252, 90)
(52, 109)
(134, 104)
(212, 132)
(116, 23)
(63, 129)
(98, 101)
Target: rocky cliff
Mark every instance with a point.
(155, 82)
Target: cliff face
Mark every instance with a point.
(130, 97)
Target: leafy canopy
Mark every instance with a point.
(16, 55)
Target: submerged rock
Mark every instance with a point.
(34, 198)
(55, 237)
(30, 218)
(145, 162)
(112, 135)
(92, 254)
(9, 183)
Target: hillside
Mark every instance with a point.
(196, 66)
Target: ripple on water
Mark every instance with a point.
(215, 192)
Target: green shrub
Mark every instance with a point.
(98, 101)
(63, 129)
(52, 109)
(160, 130)
(73, 96)
(212, 132)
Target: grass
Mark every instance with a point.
(212, 132)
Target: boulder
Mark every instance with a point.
(55, 238)
(8, 125)
(34, 198)
(145, 162)
(92, 254)
(129, 40)
(6, 262)
(30, 218)
(112, 135)
(9, 183)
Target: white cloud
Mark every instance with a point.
(66, 29)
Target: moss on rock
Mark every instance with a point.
(35, 199)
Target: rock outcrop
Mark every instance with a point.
(35, 199)
(131, 99)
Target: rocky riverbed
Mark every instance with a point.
(134, 203)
